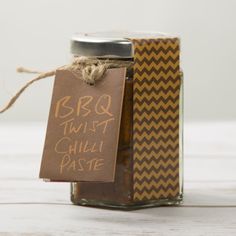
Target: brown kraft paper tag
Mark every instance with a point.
(83, 128)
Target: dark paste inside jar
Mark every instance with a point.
(119, 191)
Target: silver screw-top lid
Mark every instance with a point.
(107, 44)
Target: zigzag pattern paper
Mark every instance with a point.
(156, 91)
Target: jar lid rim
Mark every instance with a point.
(107, 44)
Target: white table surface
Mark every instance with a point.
(29, 206)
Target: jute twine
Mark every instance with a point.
(88, 69)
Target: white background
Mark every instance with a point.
(36, 34)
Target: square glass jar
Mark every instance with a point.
(120, 193)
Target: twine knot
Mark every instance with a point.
(90, 69)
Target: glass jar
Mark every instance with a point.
(119, 194)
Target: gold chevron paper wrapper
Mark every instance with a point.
(156, 90)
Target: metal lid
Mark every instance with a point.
(107, 44)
